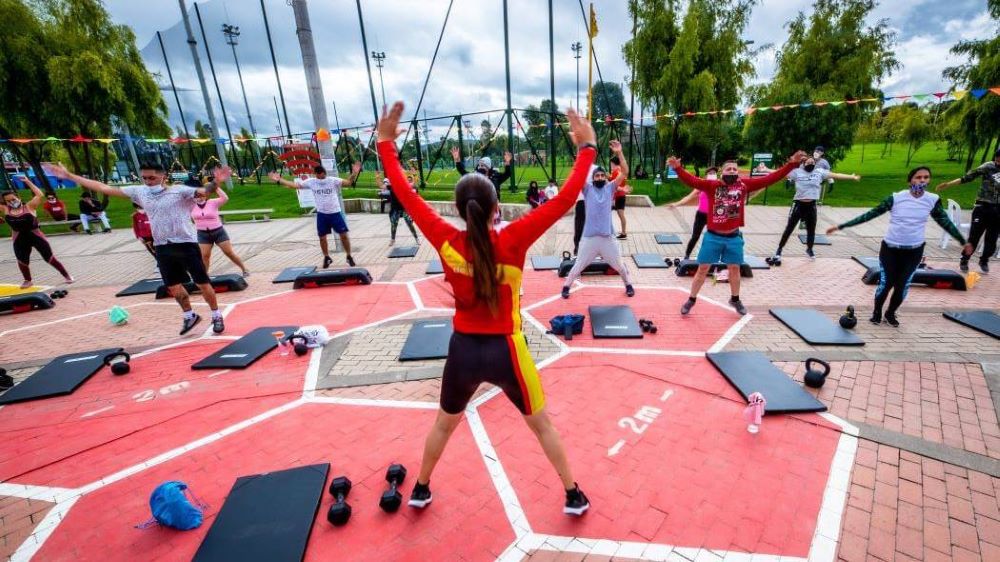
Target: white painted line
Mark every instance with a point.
(660, 352)
(95, 412)
(312, 373)
(485, 397)
(845, 426)
(163, 347)
(415, 295)
(27, 491)
(218, 373)
(614, 449)
(824, 543)
(541, 327)
(396, 282)
(730, 334)
(221, 338)
(79, 316)
(508, 497)
(30, 547)
(634, 550)
(666, 394)
(373, 324)
(415, 405)
(262, 297)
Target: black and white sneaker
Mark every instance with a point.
(565, 292)
(190, 323)
(421, 495)
(687, 306)
(576, 502)
(876, 317)
(350, 260)
(738, 306)
(890, 319)
(327, 260)
(811, 254)
(629, 291)
(218, 325)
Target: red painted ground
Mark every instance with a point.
(696, 332)
(691, 477)
(466, 517)
(538, 285)
(160, 405)
(338, 308)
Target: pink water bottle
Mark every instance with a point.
(754, 412)
(283, 346)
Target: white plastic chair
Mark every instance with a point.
(955, 214)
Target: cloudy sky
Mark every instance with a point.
(469, 73)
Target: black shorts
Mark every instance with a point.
(620, 203)
(213, 235)
(503, 361)
(180, 263)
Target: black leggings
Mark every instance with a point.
(898, 267)
(800, 211)
(579, 218)
(985, 220)
(24, 242)
(700, 220)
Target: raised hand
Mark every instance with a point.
(832, 229)
(388, 125)
(674, 162)
(798, 157)
(615, 146)
(455, 155)
(356, 168)
(57, 170)
(222, 174)
(275, 176)
(580, 129)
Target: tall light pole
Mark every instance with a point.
(379, 62)
(577, 47)
(232, 33)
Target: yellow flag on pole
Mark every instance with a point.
(591, 33)
(593, 21)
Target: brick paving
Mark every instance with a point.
(924, 380)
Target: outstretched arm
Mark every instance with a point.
(60, 171)
(38, 197)
(219, 175)
(884, 207)
(843, 177)
(689, 179)
(353, 178)
(969, 176)
(944, 221)
(276, 178)
(754, 184)
(457, 158)
(508, 168)
(616, 148)
(686, 200)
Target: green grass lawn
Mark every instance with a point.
(879, 178)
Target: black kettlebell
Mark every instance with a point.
(298, 342)
(119, 362)
(566, 256)
(815, 378)
(848, 320)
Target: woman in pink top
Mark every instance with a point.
(701, 217)
(205, 214)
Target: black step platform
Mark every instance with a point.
(243, 352)
(434, 267)
(143, 287)
(58, 377)
(814, 327)
(932, 278)
(985, 321)
(597, 267)
(25, 302)
(819, 240)
(228, 283)
(614, 322)
(404, 251)
(649, 261)
(546, 263)
(667, 239)
(266, 517)
(867, 262)
(688, 268)
(750, 371)
(323, 277)
(289, 274)
(428, 339)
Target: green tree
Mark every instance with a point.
(909, 124)
(536, 120)
(831, 55)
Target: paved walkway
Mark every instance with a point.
(905, 465)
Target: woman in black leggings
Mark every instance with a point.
(25, 234)
(701, 216)
(808, 180)
(903, 245)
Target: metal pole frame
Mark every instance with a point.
(552, 98)
(510, 118)
(218, 91)
(277, 77)
(177, 98)
(368, 67)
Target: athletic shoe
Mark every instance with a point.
(565, 292)
(890, 319)
(218, 325)
(876, 318)
(629, 291)
(576, 502)
(69, 280)
(350, 260)
(327, 260)
(190, 323)
(88, 231)
(686, 307)
(738, 306)
(984, 267)
(27, 284)
(106, 231)
(963, 265)
(622, 236)
(811, 254)
(421, 496)
(392, 241)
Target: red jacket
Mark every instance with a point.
(140, 225)
(56, 210)
(510, 245)
(727, 202)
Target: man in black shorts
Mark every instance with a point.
(174, 236)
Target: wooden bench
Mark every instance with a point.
(66, 223)
(264, 214)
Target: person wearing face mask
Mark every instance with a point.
(701, 215)
(986, 213)
(552, 189)
(211, 233)
(819, 155)
(174, 236)
(57, 210)
(533, 196)
(485, 167)
(93, 210)
(598, 197)
(25, 234)
(903, 246)
(727, 202)
(808, 185)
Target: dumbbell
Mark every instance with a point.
(340, 512)
(776, 262)
(647, 326)
(59, 294)
(669, 262)
(391, 499)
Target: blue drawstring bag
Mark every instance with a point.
(172, 508)
(567, 325)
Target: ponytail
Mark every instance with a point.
(475, 198)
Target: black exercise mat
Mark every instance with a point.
(266, 517)
(434, 268)
(985, 321)
(404, 252)
(868, 262)
(545, 263)
(819, 240)
(750, 371)
(755, 262)
(58, 377)
(667, 239)
(243, 352)
(649, 261)
(428, 339)
(144, 287)
(614, 322)
(289, 274)
(814, 327)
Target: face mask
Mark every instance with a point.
(809, 167)
(156, 189)
(917, 189)
(15, 204)
(200, 202)
(712, 177)
(600, 183)
(730, 179)
(483, 171)
(817, 155)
